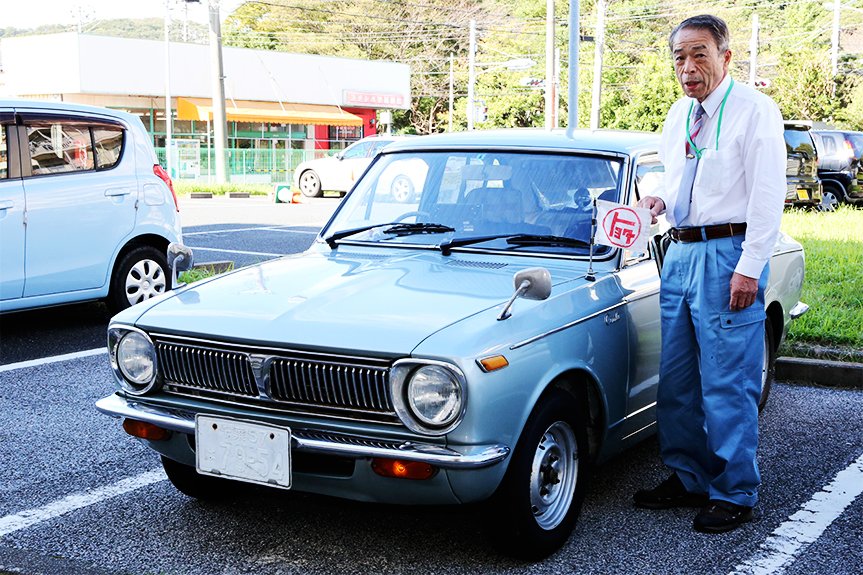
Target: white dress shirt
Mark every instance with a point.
(740, 179)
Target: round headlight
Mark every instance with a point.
(434, 395)
(136, 359)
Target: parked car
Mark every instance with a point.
(338, 173)
(804, 186)
(839, 163)
(86, 211)
(472, 346)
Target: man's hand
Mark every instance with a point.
(743, 291)
(654, 204)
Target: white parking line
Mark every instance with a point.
(221, 251)
(52, 359)
(255, 229)
(807, 525)
(30, 517)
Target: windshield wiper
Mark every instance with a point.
(515, 240)
(546, 240)
(396, 228)
(418, 228)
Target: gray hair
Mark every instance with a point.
(713, 24)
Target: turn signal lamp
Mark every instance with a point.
(402, 469)
(493, 363)
(145, 430)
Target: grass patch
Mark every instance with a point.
(833, 286)
(203, 272)
(185, 188)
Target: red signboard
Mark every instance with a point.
(372, 99)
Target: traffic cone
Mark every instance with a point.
(297, 198)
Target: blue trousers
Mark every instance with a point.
(710, 372)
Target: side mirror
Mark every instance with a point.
(180, 260)
(532, 283)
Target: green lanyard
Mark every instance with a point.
(700, 151)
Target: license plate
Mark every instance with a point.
(236, 449)
(802, 194)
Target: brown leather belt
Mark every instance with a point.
(700, 234)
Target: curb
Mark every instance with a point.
(820, 372)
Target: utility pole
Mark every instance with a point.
(834, 52)
(471, 75)
(599, 47)
(169, 112)
(549, 64)
(753, 51)
(574, 35)
(451, 92)
(218, 84)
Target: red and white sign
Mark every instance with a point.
(622, 226)
(372, 99)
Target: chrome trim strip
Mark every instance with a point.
(788, 251)
(566, 326)
(438, 455)
(799, 309)
(640, 295)
(648, 426)
(645, 408)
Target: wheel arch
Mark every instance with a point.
(152, 240)
(586, 390)
(837, 187)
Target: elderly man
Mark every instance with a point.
(724, 156)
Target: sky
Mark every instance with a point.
(33, 13)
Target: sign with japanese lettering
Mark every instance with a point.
(622, 226)
(372, 99)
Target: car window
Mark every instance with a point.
(109, 146)
(358, 150)
(799, 141)
(481, 193)
(828, 143)
(856, 143)
(4, 156)
(56, 147)
(378, 146)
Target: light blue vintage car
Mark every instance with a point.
(471, 345)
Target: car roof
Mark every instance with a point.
(24, 104)
(619, 141)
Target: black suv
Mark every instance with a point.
(801, 174)
(839, 167)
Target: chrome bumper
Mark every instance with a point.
(320, 441)
(799, 309)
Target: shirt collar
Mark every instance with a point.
(712, 102)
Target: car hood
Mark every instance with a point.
(382, 300)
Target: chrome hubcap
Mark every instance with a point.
(553, 475)
(145, 280)
(401, 190)
(308, 182)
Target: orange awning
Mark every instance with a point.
(201, 109)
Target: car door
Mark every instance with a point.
(639, 280)
(12, 208)
(81, 203)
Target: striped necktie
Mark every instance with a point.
(684, 196)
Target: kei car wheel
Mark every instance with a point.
(139, 275)
(189, 482)
(828, 202)
(538, 502)
(310, 184)
(402, 190)
(768, 369)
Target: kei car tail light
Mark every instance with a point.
(402, 469)
(145, 430)
(163, 175)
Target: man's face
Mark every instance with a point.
(698, 63)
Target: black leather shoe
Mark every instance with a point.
(668, 494)
(721, 516)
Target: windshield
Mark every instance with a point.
(455, 197)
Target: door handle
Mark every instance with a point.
(6, 204)
(118, 191)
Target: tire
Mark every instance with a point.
(402, 190)
(189, 482)
(768, 369)
(828, 202)
(310, 184)
(837, 190)
(139, 275)
(537, 505)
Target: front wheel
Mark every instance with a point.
(538, 502)
(139, 275)
(310, 184)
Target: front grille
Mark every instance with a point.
(274, 379)
(330, 384)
